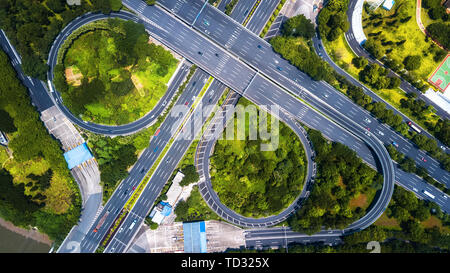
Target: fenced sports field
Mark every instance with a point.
(441, 76)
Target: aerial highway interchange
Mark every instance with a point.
(237, 58)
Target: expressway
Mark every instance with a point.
(360, 51)
(385, 133)
(163, 26)
(126, 129)
(258, 54)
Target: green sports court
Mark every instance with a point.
(441, 76)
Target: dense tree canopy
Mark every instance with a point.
(341, 176)
(298, 26)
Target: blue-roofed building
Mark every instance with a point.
(77, 156)
(194, 237)
(161, 210)
(388, 4)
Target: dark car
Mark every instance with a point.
(200, 53)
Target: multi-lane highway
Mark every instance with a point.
(247, 64)
(121, 240)
(258, 54)
(147, 159)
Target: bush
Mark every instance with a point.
(412, 62)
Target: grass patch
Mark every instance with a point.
(388, 222)
(392, 30)
(112, 74)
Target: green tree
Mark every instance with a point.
(412, 62)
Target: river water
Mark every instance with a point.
(11, 242)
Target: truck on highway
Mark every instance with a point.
(415, 128)
(132, 224)
(102, 220)
(428, 194)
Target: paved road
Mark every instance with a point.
(384, 132)
(121, 241)
(139, 170)
(126, 129)
(242, 10)
(360, 51)
(283, 236)
(259, 55)
(261, 15)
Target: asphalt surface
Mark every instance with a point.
(143, 164)
(153, 15)
(242, 10)
(283, 236)
(230, 34)
(261, 15)
(126, 129)
(360, 51)
(241, 79)
(121, 241)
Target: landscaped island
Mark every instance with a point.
(257, 183)
(110, 73)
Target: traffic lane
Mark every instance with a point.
(223, 4)
(37, 92)
(162, 173)
(262, 15)
(137, 125)
(119, 197)
(247, 42)
(196, 48)
(384, 158)
(383, 132)
(404, 85)
(265, 93)
(242, 9)
(363, 136)
(375, 97)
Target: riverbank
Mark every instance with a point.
(27, 234)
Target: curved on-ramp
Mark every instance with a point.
(205, 148)
(125, 129)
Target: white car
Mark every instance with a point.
(367, 120)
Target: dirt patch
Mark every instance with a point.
(387, 222)
(33, 234)
(359, 201)
(73, 79)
